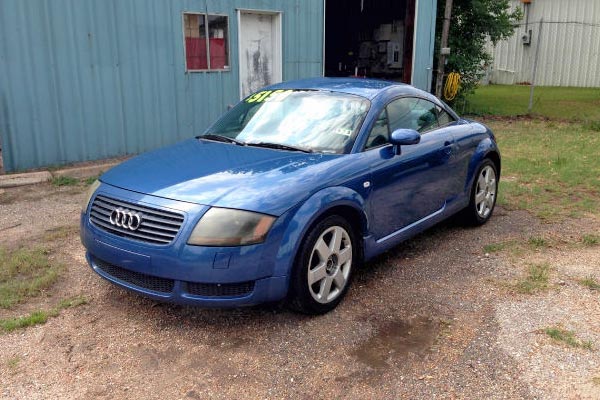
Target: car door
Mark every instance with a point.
(413, 185)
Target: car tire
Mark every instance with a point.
(323, 268)
(483, 195)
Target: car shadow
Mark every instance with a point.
(278, 314)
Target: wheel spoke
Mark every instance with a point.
(479, 197)
(486, 173)
(325, 288)
(336, 240)
(339, 279)
(317, 274)
(322, 249)
(344, 256)
(481, 182)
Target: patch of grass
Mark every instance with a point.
(494, 247)
(535, 281)
(39, 317)
(590, 283)
(25, 273)
(590, 240)
(562, 103)
(60, 232)
(567, 337)
(596, 380)
(553, 167)
(551, 159)
(64, 181)
(497, 247)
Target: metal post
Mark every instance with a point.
(443, 45)
(535, 62)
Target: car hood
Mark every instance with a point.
(224, 175)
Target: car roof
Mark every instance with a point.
(364, 87)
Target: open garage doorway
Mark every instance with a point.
(370, 38)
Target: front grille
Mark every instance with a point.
(220, 290)
(157, 227)
(149, 282)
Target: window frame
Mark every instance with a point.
(384, 110)
(206, 31)
(438, 105)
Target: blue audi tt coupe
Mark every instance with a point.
(287, 193)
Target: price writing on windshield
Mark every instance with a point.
(268, 95)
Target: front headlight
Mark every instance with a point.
(89, 194)
(228, 227)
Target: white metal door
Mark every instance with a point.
(260, 50)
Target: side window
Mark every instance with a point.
(412, 113)
(444, 118)
(380, 133)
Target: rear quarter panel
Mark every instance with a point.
(474, 143)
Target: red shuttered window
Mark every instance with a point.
(206, 42)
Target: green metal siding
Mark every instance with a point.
(89, 79)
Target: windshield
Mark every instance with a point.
(306, 119)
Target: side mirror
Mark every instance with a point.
(404, 137)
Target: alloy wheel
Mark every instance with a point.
(485, 193)
(329, 264)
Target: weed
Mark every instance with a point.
(90, 180)
(65, 181)
(593, 125)
(567, 337)
(537, 242)
(13, 362)
(590, 283)
(511, 245)
(590, 240)
(40, 316)
(536, 280)
(25, 273)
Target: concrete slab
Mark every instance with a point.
(84, 172)
(29, 178)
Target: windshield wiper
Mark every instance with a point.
(278, 146)
(221, 138)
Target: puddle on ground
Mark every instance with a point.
(397, 338)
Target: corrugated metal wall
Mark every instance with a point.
(89, 79)
(569, 46)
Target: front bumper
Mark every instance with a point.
(177, 272)
(182, 292)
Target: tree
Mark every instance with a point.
(473, 22)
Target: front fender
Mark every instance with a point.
(306, 214)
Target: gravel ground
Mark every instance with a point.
(434, 318)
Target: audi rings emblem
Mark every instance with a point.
(125, 218)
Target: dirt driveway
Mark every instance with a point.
(436, 317)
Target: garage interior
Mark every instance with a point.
(369, 38)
